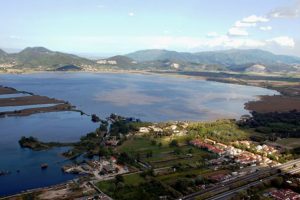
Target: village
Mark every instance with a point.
(173, 156)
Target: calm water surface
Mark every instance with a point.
(56, 126)
(149, 97)
(17, 108)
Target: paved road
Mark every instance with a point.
(222, 188)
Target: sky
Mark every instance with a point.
(103, 27)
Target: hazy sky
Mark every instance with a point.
(121, 26)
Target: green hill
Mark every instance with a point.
(40, 57)
(235, 60)
(252, 60)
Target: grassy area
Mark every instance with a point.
(105, 186)
(183, 174)
(133, 179)
(163, 156)
(289, 143)
(130, 180)
(224, 131)
(193, 161)
(139, 144)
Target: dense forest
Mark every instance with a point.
(275, 124)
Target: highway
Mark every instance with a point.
(223, 189)
(225, 195)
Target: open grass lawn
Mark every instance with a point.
(163, 156)
(142, 145)
(289, 143)
(133, 179)
(105, 186)
(129, 180)
(170, 163)
(176, 175)
(167, 159)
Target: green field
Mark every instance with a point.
(164, 155)
(289, 143)
(142, 144)
(133, 179)
(174, 176)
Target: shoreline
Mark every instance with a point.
(33, 100)
(261, 99)
(274, 82)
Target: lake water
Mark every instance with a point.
(3, 96)
(17, 108)
(55, 126)
(148, 97)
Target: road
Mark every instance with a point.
(222, 189)
(225, 195)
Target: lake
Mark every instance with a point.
(148, 97)
(56, 126)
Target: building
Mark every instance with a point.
(209, 141)
(208, 147)
(284, 194)
(108, 169)
(144, 130)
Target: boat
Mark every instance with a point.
(44, 166)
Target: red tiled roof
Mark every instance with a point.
(285, 194)
(200, 144)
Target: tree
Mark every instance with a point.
(177, 151)
(103, 151)
(277, 182)
(119, 178)
(149, 154)
(191, 150)
(95, 118)
(173, 143)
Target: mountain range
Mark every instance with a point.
(252, 60)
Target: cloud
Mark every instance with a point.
(240, 27)
(265, 28)
(235, 31)
(242, 24)
(131, 14)
(179, 43)
(292, 11)
(212, 34)
(191, 43)
(255, 19)
(283, 41)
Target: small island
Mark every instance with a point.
(36, 145)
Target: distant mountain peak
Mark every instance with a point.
(36, 50)
(2, 52)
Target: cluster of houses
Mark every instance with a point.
(99, 168)
(107, 62)
(220, 177)
(239, 156)
(284, 194)
(176, 129)
(8, 65)
(209, 145)
(264, 149)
